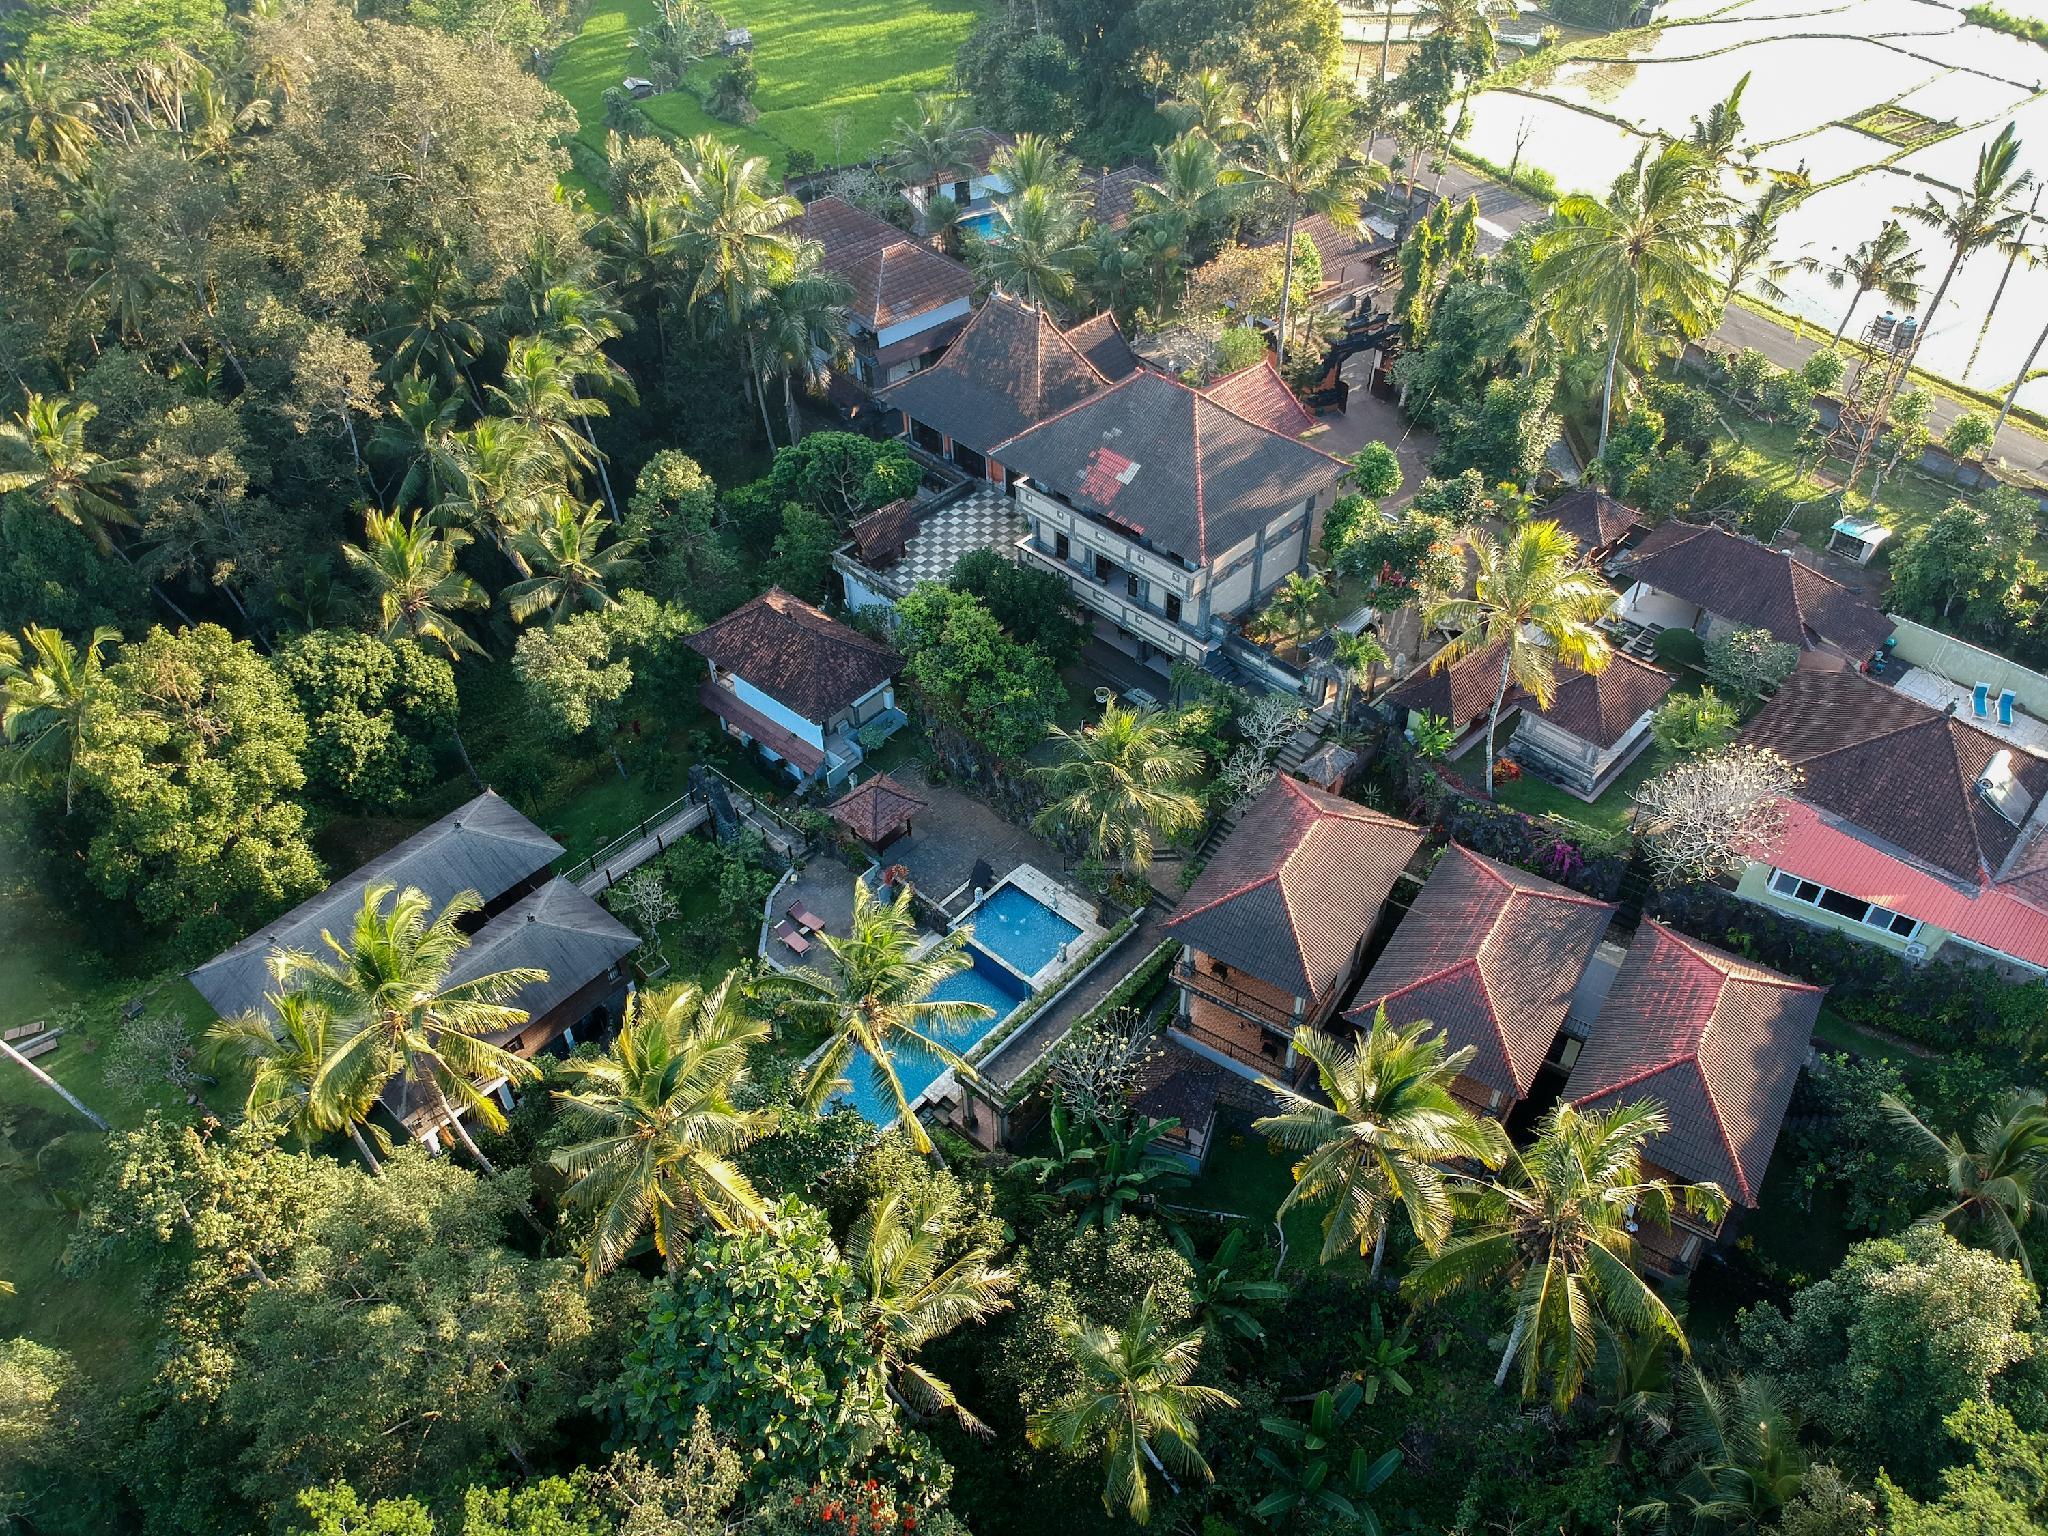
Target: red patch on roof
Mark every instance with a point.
(1107, 474)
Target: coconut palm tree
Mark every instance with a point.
(1535, 599)
(932, 148)
(573, 568)
(1983, 214)
(803, 330)
(120, 264)
(537, 392)
(1295, 610)
(1468, 26)
(51, 122)
(878, 1000)
(47, 690)
(409, 567)
(1736, 1458)
(1040, 249)
(396, 1016)
(1212, 102)
(283, 1058)
(429, 326)
(1991, 1185)
(914, 1294)
(1304, 150)
(1119, 782)
(1137, 1400)
(1886, 264)
(421, 434)
(1638, 260)
(503, 478)
(1751, 239)
(663, 1127)
(1190, 186)
(1034, 160)
(48, 462)
(2020, 248)
(1717, 137)
(641, 245)
(1357, 660)
(1390, 1124)
(1556, 1227)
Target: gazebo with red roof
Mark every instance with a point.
(875, 813)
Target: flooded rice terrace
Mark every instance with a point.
(1875, 102)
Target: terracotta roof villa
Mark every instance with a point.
(1911, 827)
(908, 300)
(527, 921)
(1690, 576)
(1275, 926)
(1597, 520)
(798, 685)
(1718, 1042)
(1259, 394)
(1491, 955)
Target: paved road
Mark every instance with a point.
(1503, 210)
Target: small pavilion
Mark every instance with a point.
(876, 813)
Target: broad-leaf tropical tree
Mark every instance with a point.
(1555, 1227)
(660, 1125)
(1137, 1400)
(409, 567)
(1993, 1177)
(46, 459)
(1119, 783)
(1379, 1135)
(398, 1018)
(47, 690)
(1312, 1483)
(877, 1000)
(1533, 597)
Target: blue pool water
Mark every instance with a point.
(988, 224)
(1016, 926)
(984, 982)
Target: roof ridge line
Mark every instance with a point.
(1201, 499)
(1754, 974)
(1230, 895)
(1065, 411)
(1258, 426)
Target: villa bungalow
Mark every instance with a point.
(807, 692)
(526, 920)
(1351, 258)
(1703, 578)
(1912, 828)
(973, 187)
(1274, 929)
(1599, 522)
(1491, 955)
(909, 301)
(1718, 1043)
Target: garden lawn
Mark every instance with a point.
(1608, 816)
(1250, 1176)
(854, 63)
(1770, 452)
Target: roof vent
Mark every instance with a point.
(2002, 789)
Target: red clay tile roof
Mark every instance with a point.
(1295, 887)
(879, 537)
(874, 810)
(1259, 394)
(1102, 342)
(1602, 707)
(1112, 194)
(981, 147)
(1347, 255)
(1490, 955)
(796, 655)
(771, 734)
(1592, 517)
(1192, 476)
(1901, 771)
(1755, 586)
(1010, 369)
(1460, 693)
(1715, 1040)
(893, 276)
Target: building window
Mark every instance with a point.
(1132, 588)
(1841, 904)
(1060, 545)
(1172, 608)
(1103, 568)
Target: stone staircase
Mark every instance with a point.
(1293, 753)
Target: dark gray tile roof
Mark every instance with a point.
(486, 847)
(1102, 342)
(1896, 768)
(1296, 885)
(1010, 369)
(1490, 955)
(1460, 693)
(1602, 707)
(1715, 1040)
(1756, 586)
(1152, 455)
(1592, 517)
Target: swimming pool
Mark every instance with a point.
(984, 981)
(988, 224)
(1015, 926)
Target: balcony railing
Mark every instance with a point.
(1259, 1010)
(1274, 1067)
(1171, 636)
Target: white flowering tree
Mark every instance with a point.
(1704, 818)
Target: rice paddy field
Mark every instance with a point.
(827, 67)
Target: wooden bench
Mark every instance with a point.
(23, 1031)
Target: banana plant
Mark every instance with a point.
(1381, 1356)
(1310, 1480)
(1225, 1299)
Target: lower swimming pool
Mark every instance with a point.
(1014, 925)
(984, 981)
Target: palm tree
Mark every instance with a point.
(1034, 160)
(659, 1106)
(1390, 1123)
(1753, 236)
(1468, 26)
(1556, 1226)
(1633, 1379)
(1303, 149)
(399, 1016)
(1736, 1458)
(1643, 256)
(1982, 216)
(49, 119)
(1990, 1185)
(501, 476)
(933, 148)
(537, 391)
(50, 463)
(803, 330)
(46, 696)
(409, 566)
(578, 321)
(1120, 781)
(284, 1059)
(1885, 264)
(1040, 249)
(1296, 608)
(573, 569)
(1191, 185)
(120, 265)
(1716, 137)
(421, 434)
(878, 1000)
(1357, 660)
(428, 328)
(1213, 103)
(1136, 1399)
(2016, 250)
(1536, 600)
(897, 1250)
(642, 247)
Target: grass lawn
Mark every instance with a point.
(1608, 816)
(1249, 1175)
(852, 62)
(1770, 452)
(1837, 1033)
